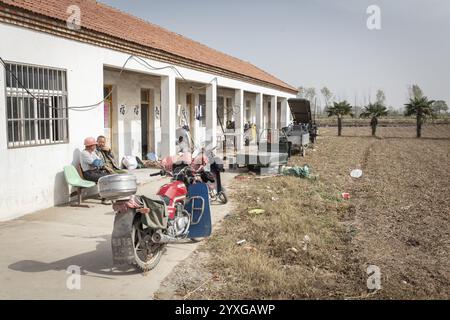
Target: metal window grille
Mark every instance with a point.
(38, 120)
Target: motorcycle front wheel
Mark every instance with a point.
(146, 253)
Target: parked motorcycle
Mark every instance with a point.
(206, 165)
(144, 226)
(214, 180)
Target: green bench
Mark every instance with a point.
(73, 179)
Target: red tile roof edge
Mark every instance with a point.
(54, 9)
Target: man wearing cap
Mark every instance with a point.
(91, 164)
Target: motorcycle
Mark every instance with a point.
(144, 226)
(216, 167)
(199, 162)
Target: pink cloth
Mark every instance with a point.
(199, 162)
(167, 162)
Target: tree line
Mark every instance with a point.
(418, 105)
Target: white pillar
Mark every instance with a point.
(156, 123)
(211, 115)
(168, 116)
(273, 112)
(259, 114)
(285, 112)
(239, 104)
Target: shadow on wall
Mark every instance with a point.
(76, 157)
(61, 191)
(128, 140)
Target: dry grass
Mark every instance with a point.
(397, 219)
(276, 261)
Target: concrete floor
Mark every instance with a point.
(37, 249)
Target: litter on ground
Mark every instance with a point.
(257, 211)
(357, 173)
(345, 195)
(301, 172)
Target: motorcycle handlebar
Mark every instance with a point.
(161, 173)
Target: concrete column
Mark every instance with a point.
(155, 122)
(259, 114)
(168, 116)
(239, 104)
(211, 115)
(285, 113)
(273, 112)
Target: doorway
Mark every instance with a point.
(145, 112)
(108, 114)
(191, 115)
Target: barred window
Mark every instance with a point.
(36, 104)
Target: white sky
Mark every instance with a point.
(322, 42)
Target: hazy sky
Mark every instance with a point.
(322, 42)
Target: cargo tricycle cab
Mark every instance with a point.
(300, 131)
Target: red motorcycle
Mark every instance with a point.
(144, 226)
(199, 164)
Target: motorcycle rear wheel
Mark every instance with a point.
(222, 197)
(145, 258)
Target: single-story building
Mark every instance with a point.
(100, 71)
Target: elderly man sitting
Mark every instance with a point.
(105, 153)
(91, 164)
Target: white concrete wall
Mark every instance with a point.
(128, 94)
(32, 177)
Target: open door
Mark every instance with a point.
(145, 132)
(191, 115)
(108, 114)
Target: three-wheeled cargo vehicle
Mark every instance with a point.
(302, 131)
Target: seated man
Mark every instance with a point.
(182, 146)
(91, 164)
(105, 153)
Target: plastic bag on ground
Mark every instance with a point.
(301, 172)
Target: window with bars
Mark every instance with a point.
(36, 104)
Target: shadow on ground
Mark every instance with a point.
(98, 261)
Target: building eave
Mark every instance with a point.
(37, 22)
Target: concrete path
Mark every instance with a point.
(37, 249)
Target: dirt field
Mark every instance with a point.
(310, 243)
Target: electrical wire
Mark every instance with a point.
(175, 69)
(40, 102)
(90, 107)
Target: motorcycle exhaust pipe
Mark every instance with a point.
(161, 238)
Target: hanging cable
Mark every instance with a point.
(90, 107)
(42, 103)
(175, 69)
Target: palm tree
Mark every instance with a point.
(340, 109)
(422, 108)
(374, 111)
